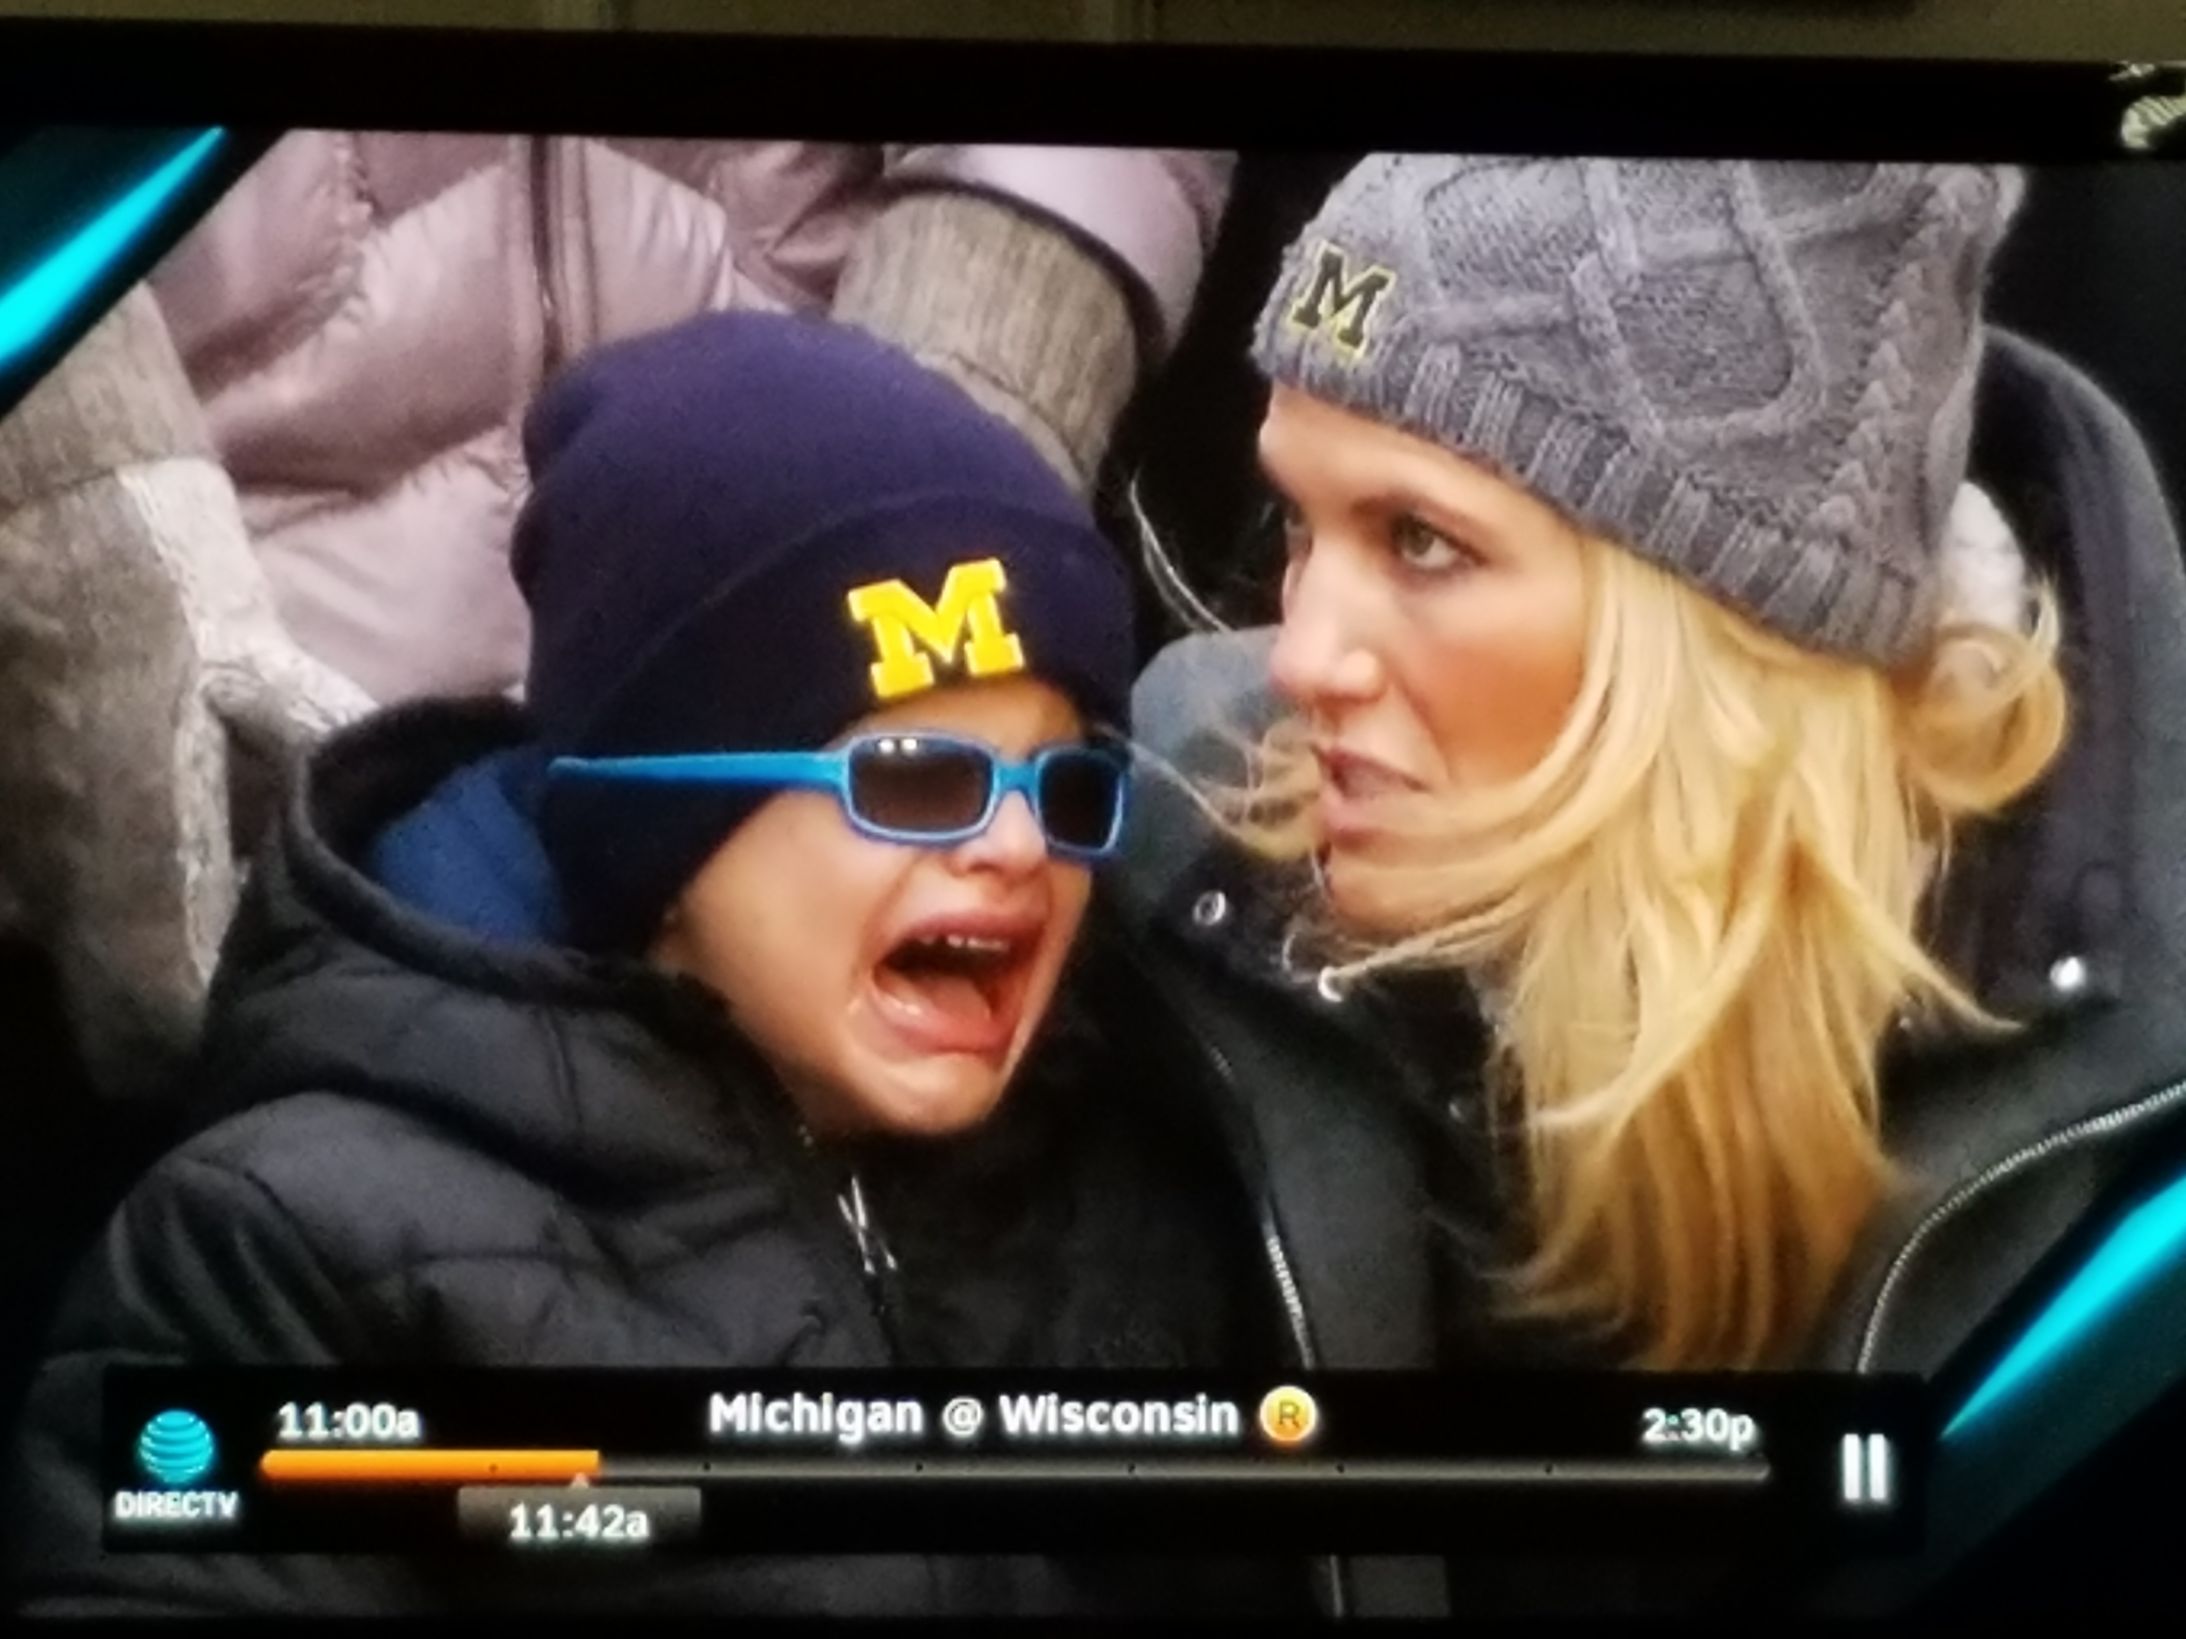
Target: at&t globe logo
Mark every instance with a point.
(176, 1450)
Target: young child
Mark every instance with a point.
(677, 1019)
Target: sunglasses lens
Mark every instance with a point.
(918, 786)
(1080, 795)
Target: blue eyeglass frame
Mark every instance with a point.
(830, 771)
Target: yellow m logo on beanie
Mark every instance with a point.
(909, 633)
(1338, 301)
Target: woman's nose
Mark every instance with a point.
(1323, 651)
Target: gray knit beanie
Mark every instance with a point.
(1759, 376)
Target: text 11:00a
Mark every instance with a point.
(354, 1422)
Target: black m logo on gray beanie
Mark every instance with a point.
(1339, 300)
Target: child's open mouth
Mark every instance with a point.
(957, 985)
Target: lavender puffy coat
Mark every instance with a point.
(366, 316)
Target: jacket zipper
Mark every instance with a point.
(875, 1258)
(874, 1254)
(542, 256)
(1294, 1315)
(2092, 1127)
(1286, 1283)
(865, 1235)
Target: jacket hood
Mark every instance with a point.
(2074, 919)
(329, 980)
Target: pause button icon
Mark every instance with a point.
(1868, 1479)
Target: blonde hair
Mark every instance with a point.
(1695, 921)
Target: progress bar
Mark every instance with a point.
(356, 1467)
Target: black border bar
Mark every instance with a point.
(865, 90)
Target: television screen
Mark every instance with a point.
(986, 852)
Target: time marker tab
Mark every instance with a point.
(578, 1518)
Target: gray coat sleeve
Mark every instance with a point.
(142, 649)
(1032, 326)
(1041, 280)
(1154, 211)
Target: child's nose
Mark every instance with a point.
(1014, 842)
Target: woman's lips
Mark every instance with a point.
(1351, 787)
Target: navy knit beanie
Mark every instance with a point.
(745, 533)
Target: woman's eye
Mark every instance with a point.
(1421, 547)
(1290, 519)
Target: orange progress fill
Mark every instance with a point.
(426, 1466)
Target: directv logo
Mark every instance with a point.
(175, 1451)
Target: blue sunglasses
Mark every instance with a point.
(926, 790)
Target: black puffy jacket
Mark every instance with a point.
(419, 1145)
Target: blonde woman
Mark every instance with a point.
(1690, 882)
